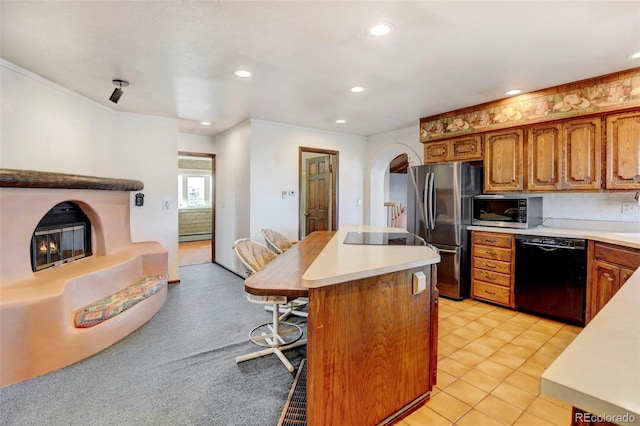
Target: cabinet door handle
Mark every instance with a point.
(489, 292)
(490, 265)
(587, 179)
(492, 252)
(608, 276)
(491, 241)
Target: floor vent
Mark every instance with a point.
(295, 410)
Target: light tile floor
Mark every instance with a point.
(489, 364)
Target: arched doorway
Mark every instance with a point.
(379, 179)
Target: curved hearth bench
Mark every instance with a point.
(38, 329)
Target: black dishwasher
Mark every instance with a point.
(551, 277)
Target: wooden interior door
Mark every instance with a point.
(318, 194)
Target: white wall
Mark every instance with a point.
(232, 192)
(590, 206)
(274, 167)
(190, 142)
(46, 127)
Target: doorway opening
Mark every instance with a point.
(382, 188)
(318, 189)
(196, 208)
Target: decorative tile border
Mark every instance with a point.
(611, 92)
(10, 178)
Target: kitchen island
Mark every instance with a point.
(371, 333)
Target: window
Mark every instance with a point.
(194, 189)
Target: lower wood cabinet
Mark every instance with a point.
(493, 256)
(610, 266)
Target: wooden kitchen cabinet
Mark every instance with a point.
(466, 148)
(544, 165)
(610, 267)
(503, 161)
(436, 152)
(623, 155)
(582, 154)
(492, 271)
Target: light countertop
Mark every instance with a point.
(339, 262)
(599, 372)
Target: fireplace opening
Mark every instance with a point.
(62, 235)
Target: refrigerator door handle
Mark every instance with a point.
(447, 251)
(426, 202)
(433, 202)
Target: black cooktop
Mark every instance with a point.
(384, 239)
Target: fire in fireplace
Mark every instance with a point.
(62, 235)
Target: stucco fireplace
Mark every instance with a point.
(89, 256)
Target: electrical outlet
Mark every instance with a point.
(629, 208)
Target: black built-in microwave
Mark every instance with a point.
(509, 211)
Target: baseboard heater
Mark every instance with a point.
(294, 412)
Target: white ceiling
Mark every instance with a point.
(443, 55)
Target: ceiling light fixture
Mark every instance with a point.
(243, 73)
(205, 123)
(380, 30)
(513, 92)
(341, 121)
(357, 89)
(117, 92)
(635, 55)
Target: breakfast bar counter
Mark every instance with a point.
(371, 327)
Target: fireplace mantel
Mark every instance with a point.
(12, 178)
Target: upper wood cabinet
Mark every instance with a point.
(503, 161)
(465, 148)
(436, 152)
(623, 151)
(544, 164)
(582, 154)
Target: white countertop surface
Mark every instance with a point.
(339, 262)
(599, 372)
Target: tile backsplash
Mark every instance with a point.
(596, 206)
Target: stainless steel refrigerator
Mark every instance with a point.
(439, 203)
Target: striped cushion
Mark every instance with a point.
(116, 303)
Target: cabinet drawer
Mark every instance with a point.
(618, 255)
(492, 293)
(492, 277)
(492, 253)
(492, 239)
(492, 265)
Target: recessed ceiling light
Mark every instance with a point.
(357, 89)
(380, 30)
(513, 92)
(243, 73)
(635, 55)
(341, 121)
(205, 123)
